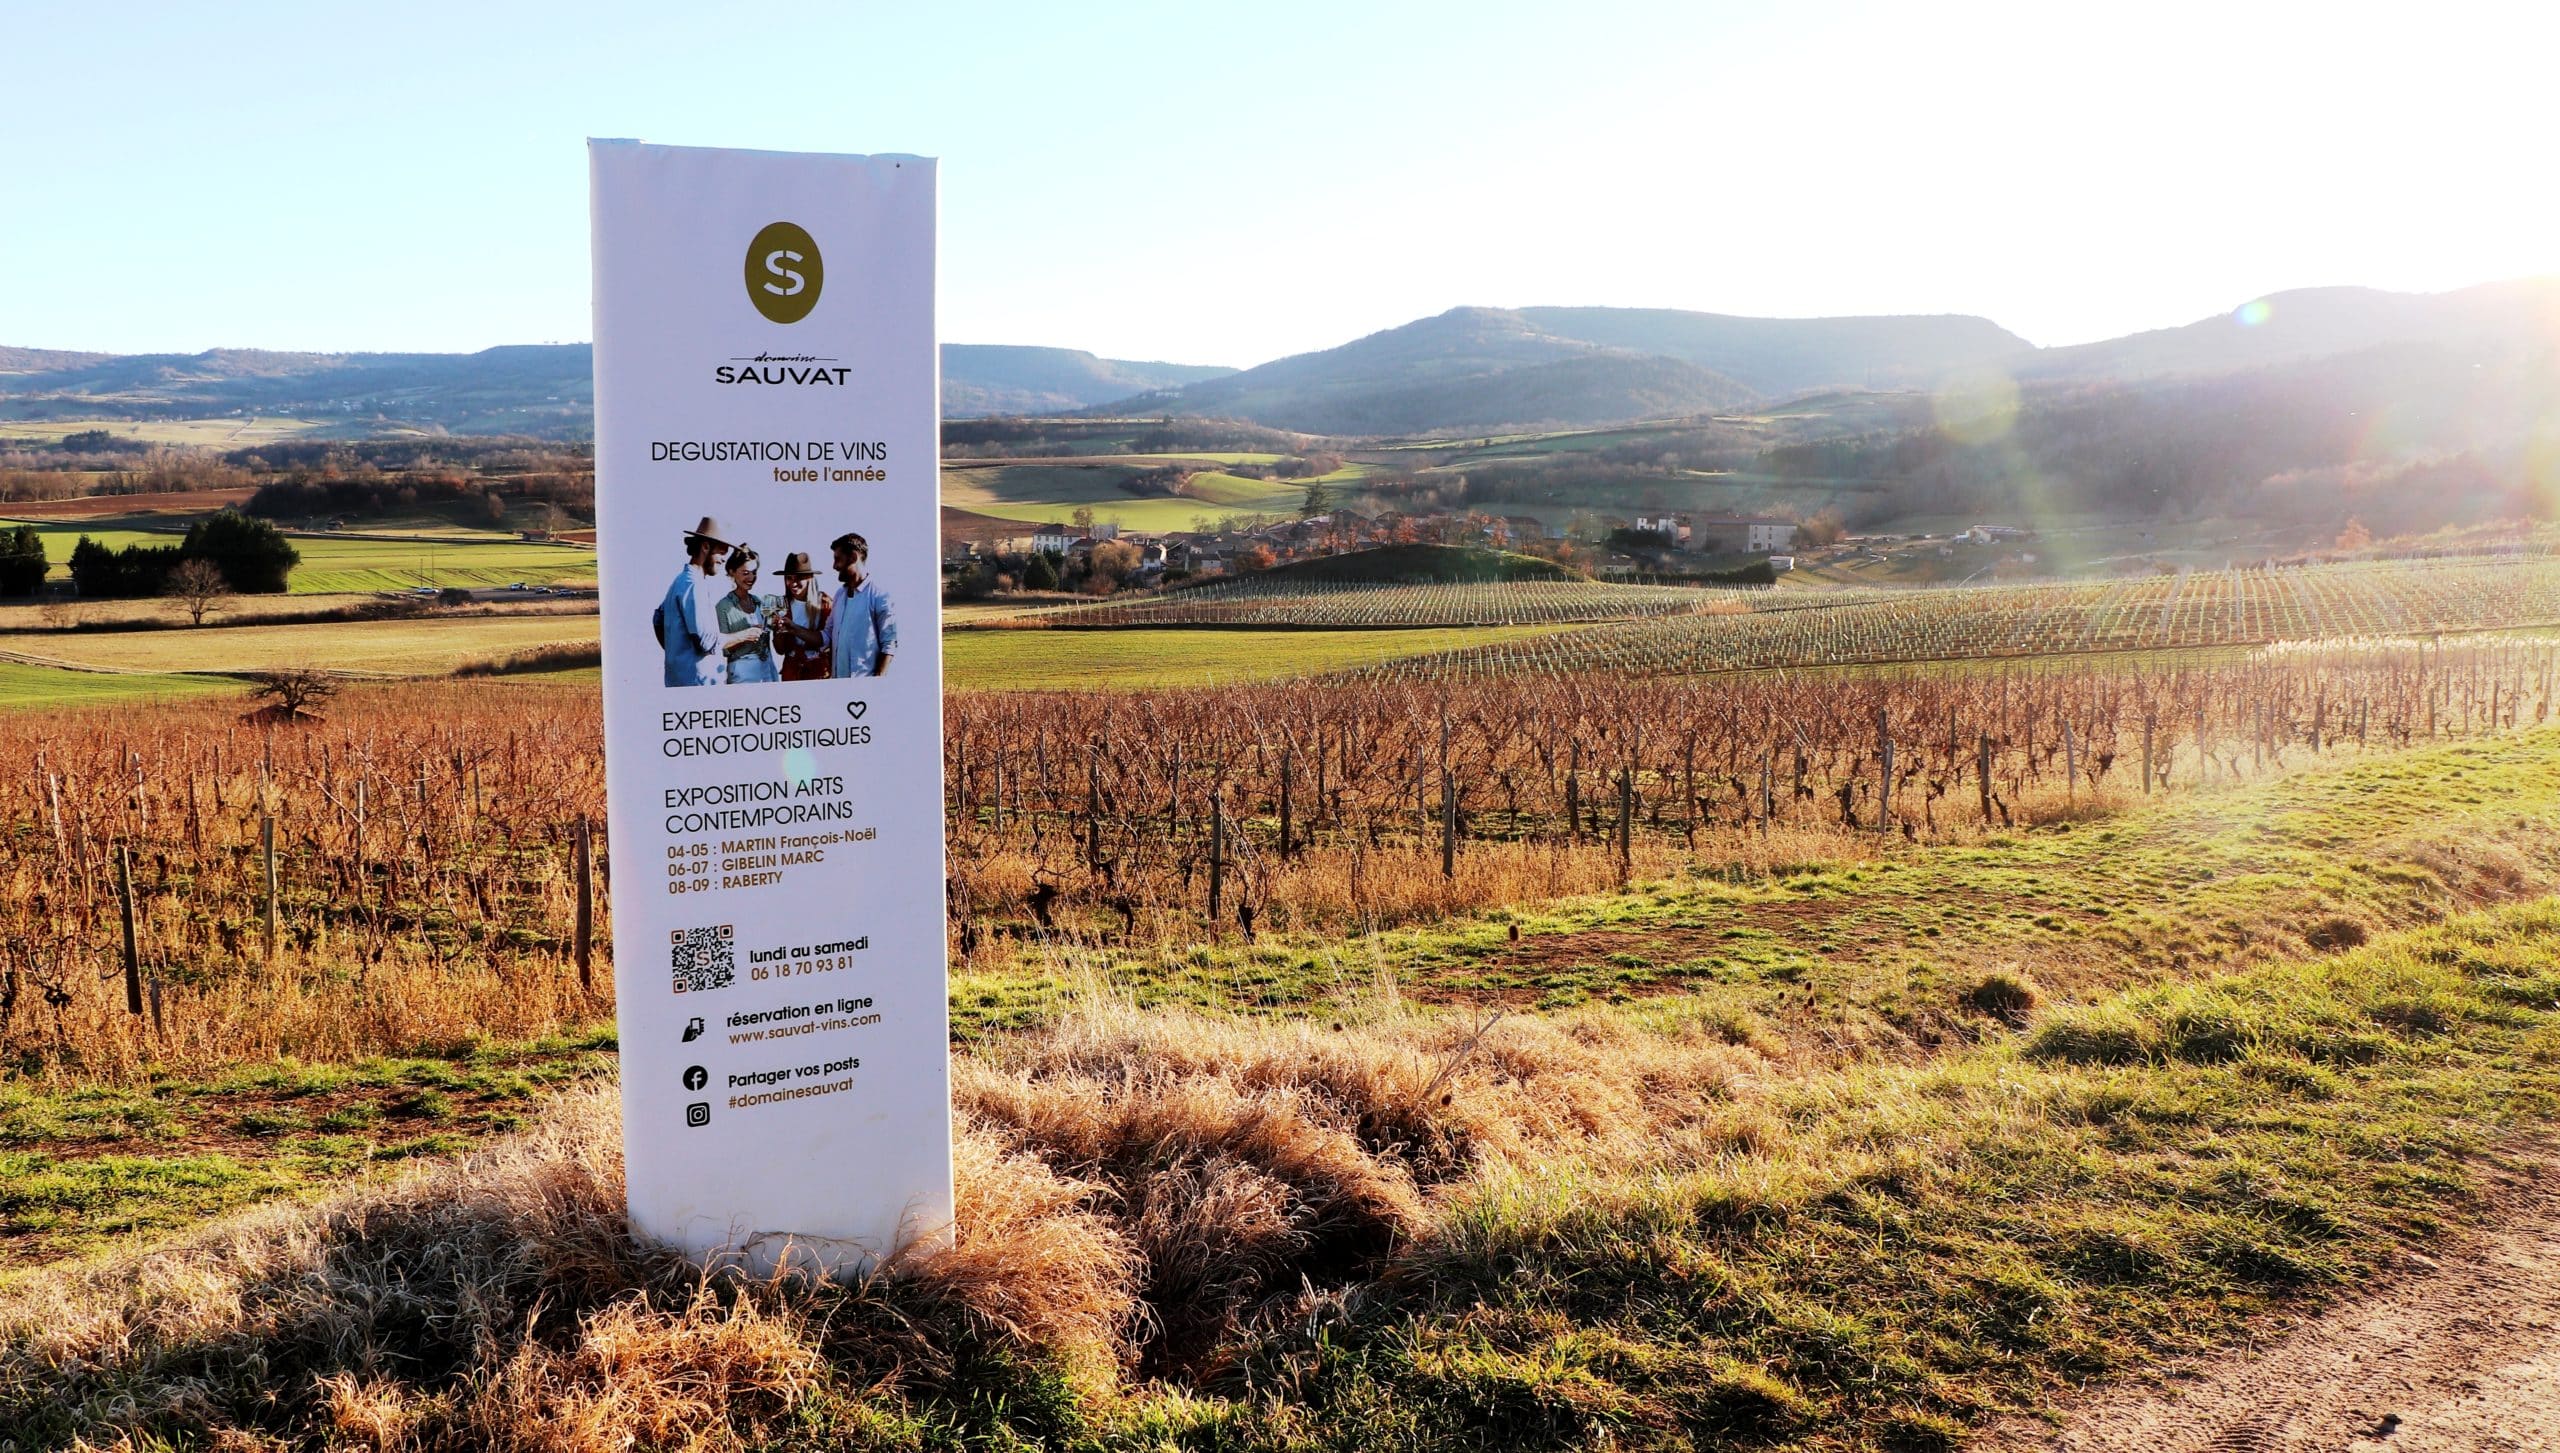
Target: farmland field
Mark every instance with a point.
(1052, 493)
(1274, 601)
(333, 565)
(1871, 1075)
(238, 433)
(1642, 1048)
(24, 686)
(1879, 625)
(424, 647)
(1094, 660)
(109, 506)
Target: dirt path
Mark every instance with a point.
(2458, 1354)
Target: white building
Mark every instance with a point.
(1756, 534)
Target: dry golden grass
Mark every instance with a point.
(1137, 1193)
(1549, 1208)
(498, 1302)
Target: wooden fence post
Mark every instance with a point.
(1287, 761)
(1217, 853)
(1884, 784)
(1448, 824)
(1982, 774)
(1768, 787)
(586, 905)
(1573, 796)
(132, 948)
(1626, 819)
(267, 853)
(1093, 810)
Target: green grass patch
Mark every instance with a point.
(1898, 950)
(1053, 493)
(81, 1169)
(336, 565)
(426, 646)
(1901, 1253)
(32, 686)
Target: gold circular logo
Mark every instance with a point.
(783, 272)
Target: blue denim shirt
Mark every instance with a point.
(692, 632)
(861, 630)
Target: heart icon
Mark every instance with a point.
(855, 709)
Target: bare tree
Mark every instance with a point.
(198, 588)
(293, 691)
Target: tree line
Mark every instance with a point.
(251, 556)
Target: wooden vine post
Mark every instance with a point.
(586, 929)
(1982, 774)
(1217, 853)
(132, 946)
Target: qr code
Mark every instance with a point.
(705, 958)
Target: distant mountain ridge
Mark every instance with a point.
(1780, 356)
(1592, 366)
(1469, 369)
(1466, 368)
(2308, 323)
(979, 379)
(544, 389)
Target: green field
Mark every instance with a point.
(1052, 493)
(335, 565)
(1077, 660)
(28, 686)
(396, 648)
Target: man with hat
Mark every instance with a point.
(688, 618)
(800, 629)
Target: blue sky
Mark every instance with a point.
(1226, 184)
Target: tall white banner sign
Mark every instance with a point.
(767, 436)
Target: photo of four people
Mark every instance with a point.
(736, 637)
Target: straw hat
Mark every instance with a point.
(795, 566)
(710, 530)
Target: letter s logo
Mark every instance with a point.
(784, 273)
(773, 264)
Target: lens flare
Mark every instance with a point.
(1976, 407)
(2542, 465)
(2251, 314)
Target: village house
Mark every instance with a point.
(1197, 553)
(1752, 534)
(1060, 539)
(1674, 528)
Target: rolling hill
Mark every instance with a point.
(1474, 368)
(1467, 368)
(979, 379)
(2309, 323)
(1779, 356)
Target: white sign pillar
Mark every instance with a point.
(768, 523)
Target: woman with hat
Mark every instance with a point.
(800, 626)
(747, 638)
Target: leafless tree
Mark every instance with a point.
(198, 588)
(293, 691)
